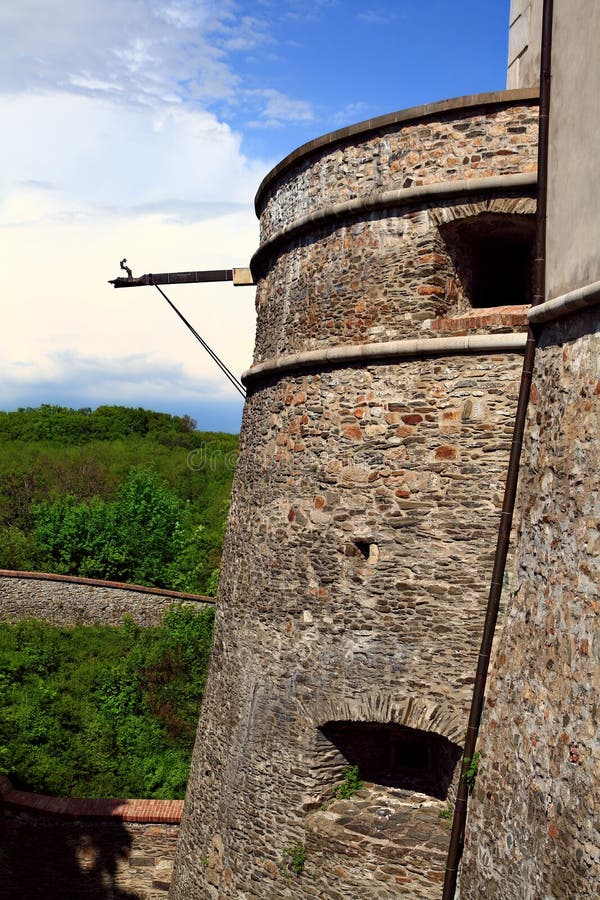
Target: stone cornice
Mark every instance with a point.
(578, 299)
(346, 354)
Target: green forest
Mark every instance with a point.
(116, 493)
(102, 711)
(126, 495)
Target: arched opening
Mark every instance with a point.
(396, 756)
(493, 257)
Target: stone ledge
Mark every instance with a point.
(344, 354)
(573, 301)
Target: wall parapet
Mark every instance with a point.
(69, 599)
(56, 847)
(126, 810)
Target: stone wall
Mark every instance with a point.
(57, 847)
(54, 848)
(466, 139)
(391, 276)
(363, 518)
(532, 829)
(68, 600)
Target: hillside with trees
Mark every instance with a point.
(116, 493)
(102, 711)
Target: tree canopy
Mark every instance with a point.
(116, 493)
(102, 711)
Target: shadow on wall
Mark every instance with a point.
(396, 756)
(493, 257)
(42, 859)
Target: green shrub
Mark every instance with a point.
(351, 783)
(101, 711)
(293, 859)
(471, 768)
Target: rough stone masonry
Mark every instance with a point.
(365, 505)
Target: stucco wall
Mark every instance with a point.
(524, 43)
(66, 600)
(573, 235)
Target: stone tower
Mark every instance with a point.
(391, 276)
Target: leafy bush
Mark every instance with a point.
(101, 711)
(351, 783)
(118, 493)
(293, 860)
(137, 537)
(471, 768)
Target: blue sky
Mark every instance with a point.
(142, 128)
(344, 60)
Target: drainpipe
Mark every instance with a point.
(460, 810)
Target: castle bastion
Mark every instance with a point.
(392, 278)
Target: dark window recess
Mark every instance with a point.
(493, 257)
(397, 756)
(361, 550)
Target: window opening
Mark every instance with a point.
(397, 756)
(493, 257)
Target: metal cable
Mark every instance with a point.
(227, 372)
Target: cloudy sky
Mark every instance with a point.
(142, 128)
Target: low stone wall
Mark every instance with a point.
(62, 847)
(67, 600)
(54, 848)
(381, 843)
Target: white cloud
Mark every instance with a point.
(150, 50)
(99, 155)
(112, 147)
(279, 109)
(307, 10)
(65, 328)
(88, 181)
(381, 15)
(351, 113)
